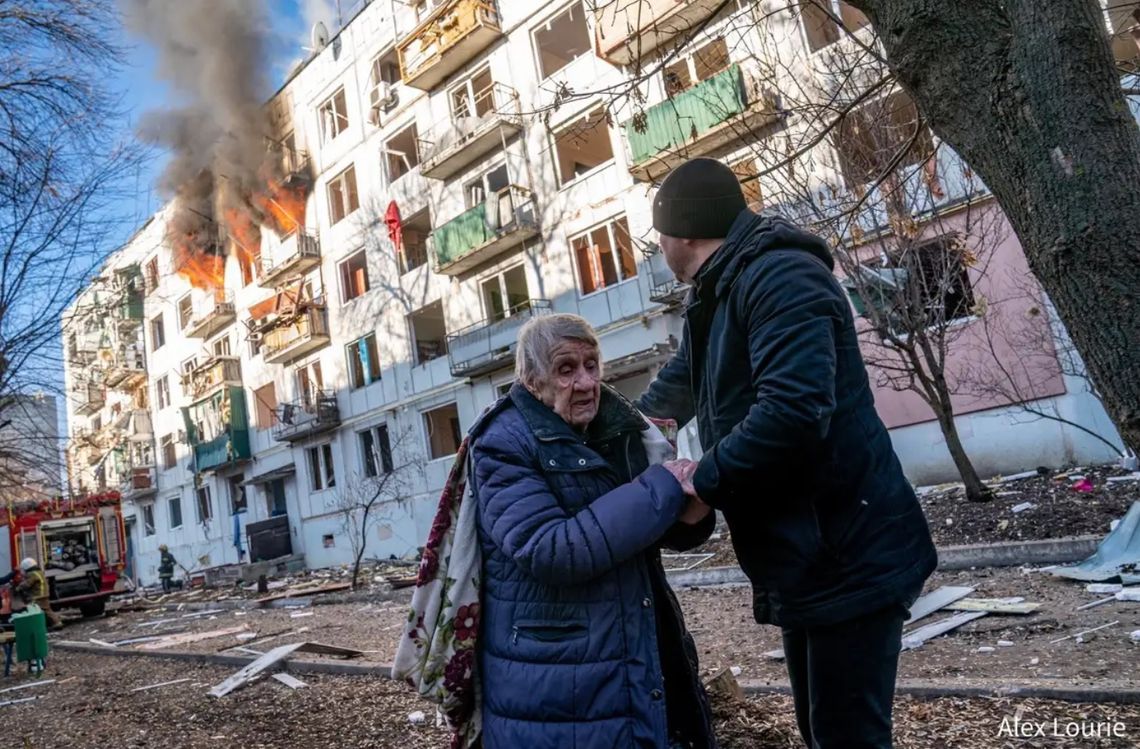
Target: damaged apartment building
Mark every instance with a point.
(441, 178)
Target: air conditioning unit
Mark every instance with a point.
(384, 99)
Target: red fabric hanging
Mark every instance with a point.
(395, 228)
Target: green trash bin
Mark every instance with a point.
(31, 636)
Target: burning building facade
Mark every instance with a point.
(335, 288)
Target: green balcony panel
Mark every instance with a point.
(462, 234)
(676, 121)
(230, 445)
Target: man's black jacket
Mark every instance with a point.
(823, 521)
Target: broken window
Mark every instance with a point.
(363, 361)
(505, 294)
(185, 312)
(333, 116)
(322, 475)
(310, 382)
(479, 189)
(157, 333)
(354, 277)
(818, 18)
(749, 176)
(162, 392)
(237, 495)
(166, 446)
(429, 332)
(401, 153)
(221, 347)
(870, 139)
(148, 519)
(441, 426)
(475, 97)
(704, 63)
(343, 198)
(265, 406)
(376, 451)
(174, 508)
(604, 256)
(384, 76)
(414, 234)
(151, 274)
(561, 40)
(583, 146)
(205, 504)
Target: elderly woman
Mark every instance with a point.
(582, 644)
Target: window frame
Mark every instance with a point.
(342, 278)
(188, 300)
(167, 440)
(330, 103)
(353, 358)
(564, 130)
(157, 332)
(376, 456)
(549, 20)
(204, 511)
(388, 153)
(350, 199)
(322, 470)
(148, 522)
(426, 421)
(162, 393)
(172, 502)
(608, 224)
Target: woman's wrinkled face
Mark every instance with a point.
(575, 384)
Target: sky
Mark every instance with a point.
(140, 91)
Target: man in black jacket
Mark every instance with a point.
(823, 521)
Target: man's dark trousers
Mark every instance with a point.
(843, 679)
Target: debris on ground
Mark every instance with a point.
(1117, 557)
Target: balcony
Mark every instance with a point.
(299, 253)
(127, 369)
(215, 315)
(664, 288)
(214, 373)
(456, 142)
(224, 418)
(139, 483)
(488, 346)
(479, 234)
(89, 398)
(446, 41)
(305, 418)
(627, 32)
(296, 335)
(717, 112)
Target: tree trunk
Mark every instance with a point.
(976, 491)
(1027, 92)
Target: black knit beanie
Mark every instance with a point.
(698, 200)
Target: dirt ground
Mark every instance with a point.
(92, 705)
(720, 620)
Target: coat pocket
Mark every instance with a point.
(549, 630)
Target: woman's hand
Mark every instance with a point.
(682, 470)
(695, 510)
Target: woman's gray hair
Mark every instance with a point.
(538, 339)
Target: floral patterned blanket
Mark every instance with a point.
(436, 654)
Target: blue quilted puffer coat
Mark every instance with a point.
(582, 645)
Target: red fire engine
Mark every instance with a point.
(79, 544)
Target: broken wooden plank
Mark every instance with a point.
(189, 637)
(29, 685)
(200, 614)
(17, 702)
(101, 643)
(251, 651)
(252, 670)
(1098, 602)
(935, 600)
(160, 684)
(333, 650)
(995, 606)
(303, 592)
(290, 681)
(137, 640)
(1086, 632)
(916, 638)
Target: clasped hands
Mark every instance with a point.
(695, 510)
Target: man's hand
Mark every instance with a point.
(682, 470)
(695, 510)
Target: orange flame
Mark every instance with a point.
(283, 206)
(199, 262)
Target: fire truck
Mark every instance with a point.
(78, 542)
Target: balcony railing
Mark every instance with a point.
(298, 254)
(664, 288)
(127, 368)
(215, 372)
(478, 234)
(296, 336)
(89, 398)
(482, 125)
(214, 315)
(446, 41)
(306, 417)
(626, 32)
(139, 482)
(490, 345)
(722, 109)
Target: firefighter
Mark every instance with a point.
(34, 589)
(166, 567)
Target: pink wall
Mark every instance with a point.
(1001, 277)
